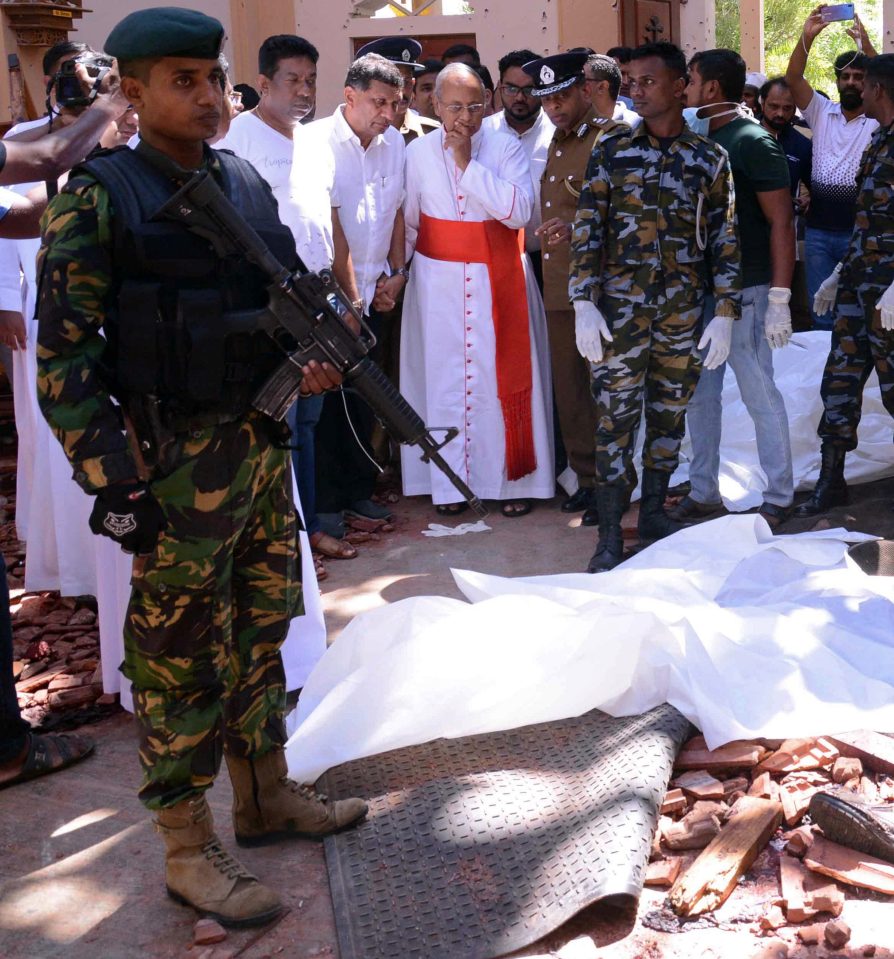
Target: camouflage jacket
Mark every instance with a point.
(870, 254)
(74, 267)
(649, 219)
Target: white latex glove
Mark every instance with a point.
(824, 299)
(716, 339)
(590, 329)
(885, 306)
(778, 321)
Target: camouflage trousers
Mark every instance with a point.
(652, 359)
(210, 608)
(858, 344)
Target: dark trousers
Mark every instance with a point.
(13, 729)
(344, 471)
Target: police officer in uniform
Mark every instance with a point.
(137, 329)
(655, 224)
(560, 84)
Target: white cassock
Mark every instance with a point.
(448, 343)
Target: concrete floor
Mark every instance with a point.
(82, 868)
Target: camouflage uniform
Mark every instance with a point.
(560, 189)
(210, 607)
(635, 253)
(858, 341)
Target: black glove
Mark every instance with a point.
(130, 515)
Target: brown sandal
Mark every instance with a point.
(48, 754)
(330, 547)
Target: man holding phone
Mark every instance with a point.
(841, 132)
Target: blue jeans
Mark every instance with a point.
(824, 250)
(751, 360)
(303, 417)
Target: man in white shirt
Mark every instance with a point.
(841, 132)
(273, 140)
(368, 154)
(523, 118)
(473, 345)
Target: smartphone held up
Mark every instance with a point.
(838, 11)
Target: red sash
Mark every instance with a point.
(500, 249)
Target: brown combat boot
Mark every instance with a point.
(201, 874)
(268, 806)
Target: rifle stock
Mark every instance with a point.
(309, 317)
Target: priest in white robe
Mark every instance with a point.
(473, 347)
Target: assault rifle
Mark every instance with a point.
(308, 317)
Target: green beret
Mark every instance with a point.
(166, 32)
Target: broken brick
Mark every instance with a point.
(837, 934)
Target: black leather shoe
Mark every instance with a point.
(579, 501)
(691, 509)
(590, 517)
(775, 515)
(852, 822)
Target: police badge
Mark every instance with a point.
(547, 74)
(120, 524)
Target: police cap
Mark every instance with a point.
(166, 32)
(551, 74)
(404, 51)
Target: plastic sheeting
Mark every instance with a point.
(798, 370)
(746, 633)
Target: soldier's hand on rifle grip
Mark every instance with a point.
(318, 378)
(590, 329)
(886, 308)
(130, 515)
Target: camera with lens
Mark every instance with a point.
(66, 84)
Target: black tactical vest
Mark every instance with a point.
(182, 325)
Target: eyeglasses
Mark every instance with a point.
(456, 108)
(511, 90)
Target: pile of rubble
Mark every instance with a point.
(56, 662)
(726, 806)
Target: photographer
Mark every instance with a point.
(52, 154)
(24, 755)
(841, 132)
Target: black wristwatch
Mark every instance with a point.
(403, 271)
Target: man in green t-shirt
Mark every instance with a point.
(767, 240)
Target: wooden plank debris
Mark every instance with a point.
(849, 866)
(712, 877)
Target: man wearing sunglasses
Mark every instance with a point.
(522, 118)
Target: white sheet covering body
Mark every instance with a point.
(448, 345)
(745, 633)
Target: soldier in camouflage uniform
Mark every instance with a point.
(212, 524)
(861, 292)
(655, 225)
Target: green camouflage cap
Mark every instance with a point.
(166, 32)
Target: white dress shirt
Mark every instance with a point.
(370, 188)
(535, 142)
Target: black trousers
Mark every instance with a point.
(13, 729)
